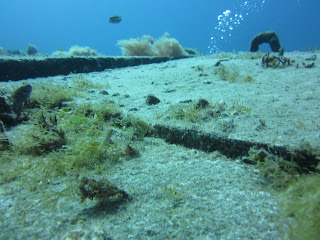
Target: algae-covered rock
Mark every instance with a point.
(100, 190)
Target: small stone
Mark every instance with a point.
(152, 100)
(104, 92)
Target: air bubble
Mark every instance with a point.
(227, 23)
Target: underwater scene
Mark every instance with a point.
(160, 120)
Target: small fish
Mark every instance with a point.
(115, 19)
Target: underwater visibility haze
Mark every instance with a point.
(208, 26)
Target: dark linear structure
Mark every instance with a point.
(233, 148)
(18, 69)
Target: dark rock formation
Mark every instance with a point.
(265, 37)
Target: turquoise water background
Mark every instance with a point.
(59, 24)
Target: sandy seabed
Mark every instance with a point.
(176, 192)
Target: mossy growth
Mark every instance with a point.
(88, 135)
(50, 96)
(42, 135)
(204, 110)
(232, 74)
(136, 127)
(80, 83)
(201, 110)
(84, 153)
(69, 141)
(238, 108)
(54, 95)
(298, 193)
(249, 79)
(13, 165)
(65, 137)
(301, 204)
(277, 172)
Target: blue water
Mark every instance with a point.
(59, 24)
